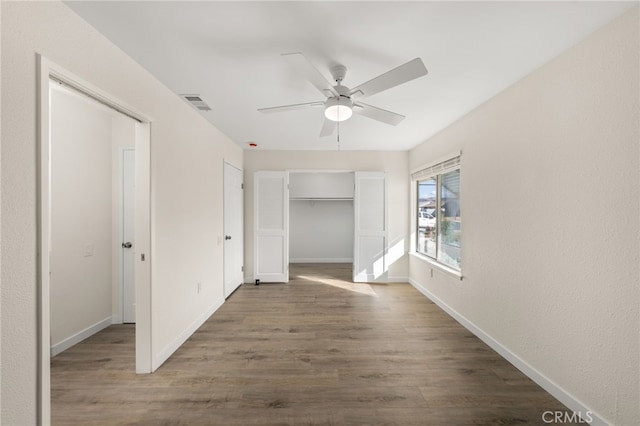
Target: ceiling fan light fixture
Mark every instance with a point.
(338, 108)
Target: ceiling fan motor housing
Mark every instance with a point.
(338, 72)
(343, 91)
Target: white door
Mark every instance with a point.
(370, 233)
(233, 229)
(128, 236)
(271, 226)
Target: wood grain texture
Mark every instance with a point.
(319, 350)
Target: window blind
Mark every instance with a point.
(436, 169)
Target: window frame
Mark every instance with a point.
(434, 171)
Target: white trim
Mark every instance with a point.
(164, 354)
(80, 336)
(250, 280)
(43, 408)
(546, 383)
(321, 260)
(45, 70)
(232, 164)
(74, 82)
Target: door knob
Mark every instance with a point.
(126, 245)
(227, 237)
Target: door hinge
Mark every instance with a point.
(242, 186)
(242, 268)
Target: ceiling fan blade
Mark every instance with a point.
(379, 114)
(289, 107)
(397, 76)
(311, 73)
(328, 127)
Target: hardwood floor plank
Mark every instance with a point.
(319, 350)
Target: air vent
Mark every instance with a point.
(197, 102)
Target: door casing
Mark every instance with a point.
(48, 70)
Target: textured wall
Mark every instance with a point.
(550, 205)
(186, 178)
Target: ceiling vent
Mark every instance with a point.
(197, 102)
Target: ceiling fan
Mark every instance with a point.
(342, 101)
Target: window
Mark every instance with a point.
(438, 216)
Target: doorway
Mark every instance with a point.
(90, 249)
(272, 194)
(86, 214)
(321, 217)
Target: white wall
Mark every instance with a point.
(320, 231)
(393, 162)
(81, 219)
(321, 222)
(550, 208)
(186, 179)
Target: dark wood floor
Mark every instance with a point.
(317, 351)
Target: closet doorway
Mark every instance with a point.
(318, 216)
(321, 220)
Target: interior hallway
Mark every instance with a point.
(320, 350)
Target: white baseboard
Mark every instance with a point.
(164, 354)
(250, 280)
(116, 319)
(79, 337)
(547, 384)
(384, 278)
(321, 260)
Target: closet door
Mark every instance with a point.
(271, 226)
(370, 236)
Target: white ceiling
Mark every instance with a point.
(230, 54)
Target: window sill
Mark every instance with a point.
(437, 265)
